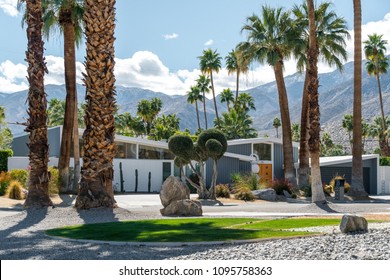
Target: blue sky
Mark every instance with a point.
(158, 42)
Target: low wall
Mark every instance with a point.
(384, 179)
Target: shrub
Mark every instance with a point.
(280, 185)
(236, 177)
(306, 191)
(5, 179)
(347, 186)
(223, 191)
(4, 155)
(54, 182)
(20, 175)
(384, 161)
(250, 180)
(242, 192)
(15, 190)
(328, 190)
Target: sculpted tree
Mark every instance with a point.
(212, 144)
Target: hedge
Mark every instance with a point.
(4, 155)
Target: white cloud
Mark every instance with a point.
(209, 43)
(170, 36)
(9, 7)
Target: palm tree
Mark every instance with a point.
(210, 62)
(98, 139)
(38, 185)
(193, 97)
(271, 39)
(276, 124)
(203, 83)
(331, 32)
(347, 124)
(148, 110)
(375, 130)
(237, 125)
(377, 64)
(318, 195)
(357, 186)
(228, 97)
(245, 102)
(236, 63)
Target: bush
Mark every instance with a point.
(280, 185)
(20, 175)
(4, 155)
(54, 182)
(242, 192)
(222, 191)
(5, 179)
(384, 161)
(250, 180)
(15, 190)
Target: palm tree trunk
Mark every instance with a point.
(76, 150)
(385, 151)
(99, 146)
(197, 113)
(214, 98)
(289, 170)
(318, 195)
(357, 187)
(70, 83)
(237, 88)
(38, 184)
(204, 109)
(304, 164)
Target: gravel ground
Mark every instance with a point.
(22, 237)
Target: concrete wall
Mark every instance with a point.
(384, 180)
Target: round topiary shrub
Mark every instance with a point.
(15, 190)
(213, 134)
(214, 148)
(181, 146)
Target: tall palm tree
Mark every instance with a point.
(148, 110)
(192, 97)
(211, 62)
(228, 97)
(271, 39)
(318, 195)
(98, 139)
(203, 83)
(245, 102)
(236, 63)
(357, 186)
(237, 125)
(347, 124)
(38, 185)
(377, 64)
(276, 124)
(331, 32)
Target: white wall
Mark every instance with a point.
(128, 168)
(384, 180)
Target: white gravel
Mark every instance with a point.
(22, 237)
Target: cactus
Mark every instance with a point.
(136, 180)
(121, 177)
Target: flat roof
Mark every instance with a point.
(325, 161)
(259, 140)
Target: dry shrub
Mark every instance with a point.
(15, 190)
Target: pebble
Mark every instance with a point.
(22, 237)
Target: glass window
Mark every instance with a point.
(263, 151)
(131, 151)
(120, 150)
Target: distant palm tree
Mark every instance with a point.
(375, 130)
(245, 102)
(237, 125)
(331, 32)
(96, 189)
(276, 124)
(347, 124)
(148, 111)
(377, 64)
(192, 97)
(236, 63)
(203, 83)
(211, 62)
(357, 185)
(38, 184)
(271, 39)
(228, 97)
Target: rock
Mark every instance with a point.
(287, 194)
(184, 207)
(351, 223)
(173, 189)
(265, 194)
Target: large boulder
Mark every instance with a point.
(173, 189)
(352, 223)
(265, 194)
(184, 207)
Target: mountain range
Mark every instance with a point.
(336, 100)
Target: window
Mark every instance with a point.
(147, 152)
(126, 150)
(263, 151)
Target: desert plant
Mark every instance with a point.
(280, 185)
(15, 190)
(347, 186)
(54, 182)
(5, 179)
(20, 175)
(242, 192)
(223, 191)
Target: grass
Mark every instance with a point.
(190, 229)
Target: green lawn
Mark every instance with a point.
(190, 229)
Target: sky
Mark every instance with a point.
(158, 42)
